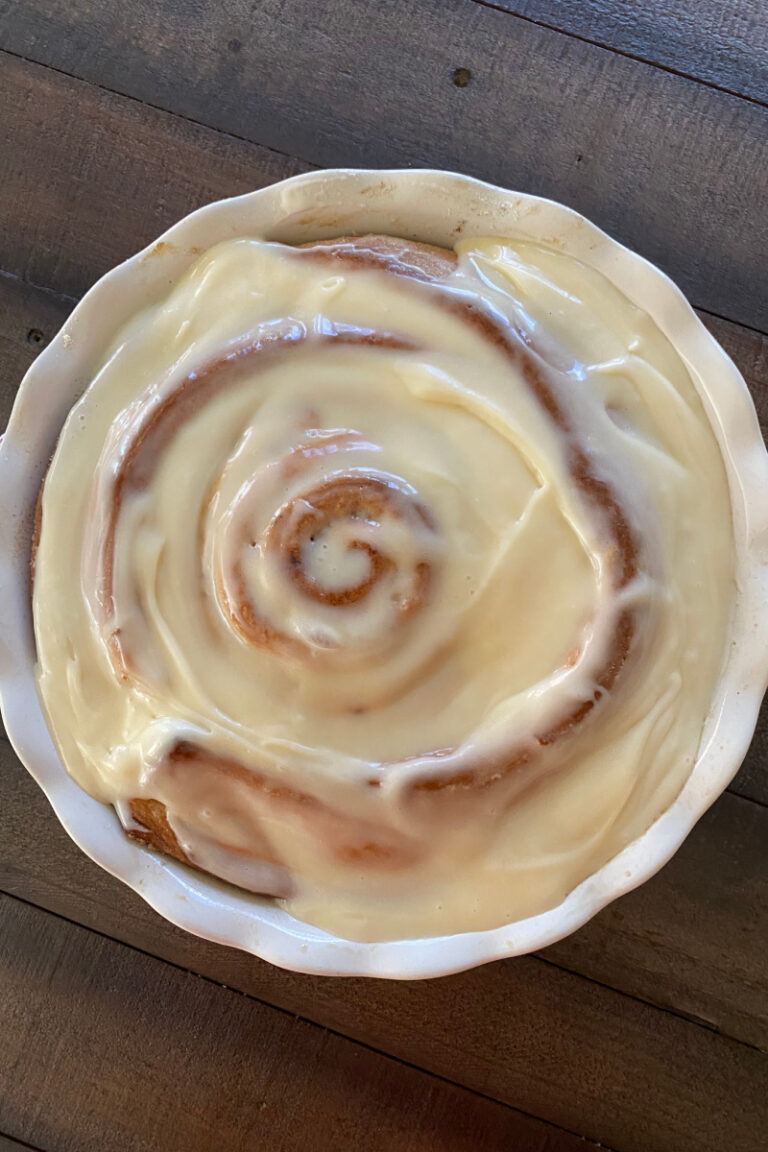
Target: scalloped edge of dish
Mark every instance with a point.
(434, 206)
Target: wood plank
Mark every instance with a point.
(722, 42)
(671, 167)
(752, 780)
(8, 1145)
(73, 205)
(104, 1047)
(55, 174)
(523, 1031)
(692, 940)
(749, 351)
(29, 318)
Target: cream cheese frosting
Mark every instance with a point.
(411, 621)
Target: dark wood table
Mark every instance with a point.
(647, 1030)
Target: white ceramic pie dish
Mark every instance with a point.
(435, 207)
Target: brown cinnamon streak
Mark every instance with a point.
(354, 841)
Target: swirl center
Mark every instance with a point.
(346, 518)
(338, 569)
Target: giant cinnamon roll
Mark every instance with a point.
(389, 581)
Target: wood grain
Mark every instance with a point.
(130, 1053)
(722, 42)
(73, 204)
(523, 1031)
(692, 940)
(71, 212)
(752, 780)
(749, 351)
(29, 318)
(8, 1145)
(671, 167)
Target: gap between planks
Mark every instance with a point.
(682, 1016)
(654, 1037)
(294, 160)
(651, 945)
(685, 197)
(143, 103)
(542, 1128)
(13, 1144)
(548, 26)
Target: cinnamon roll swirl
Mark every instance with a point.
(389, 581)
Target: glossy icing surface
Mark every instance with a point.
(317, 572)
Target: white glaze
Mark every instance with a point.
(472, 443)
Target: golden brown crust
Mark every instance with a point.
(424, 260)
(346, 838)
(36, 528)
(155, 830)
